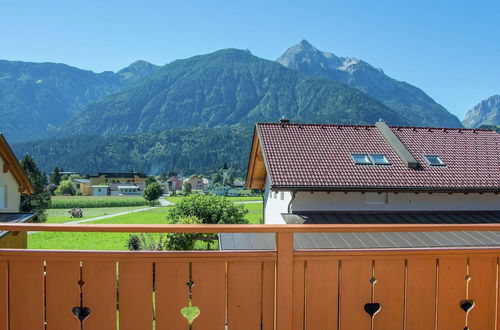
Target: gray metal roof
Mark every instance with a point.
(14, 217)
(256, 241)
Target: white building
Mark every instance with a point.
(341, 168)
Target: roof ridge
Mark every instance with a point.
(365, 125)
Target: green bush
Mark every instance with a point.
(182, 241)
(65, 188)
(93, 202)
(210, 209)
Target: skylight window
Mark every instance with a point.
(434, 160)
(370, 159)
(361, 159)
(379, 159)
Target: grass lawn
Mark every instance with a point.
(254, 214)
(112, 241)
(62, 215)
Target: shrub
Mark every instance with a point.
(76, 213)
(210, 209)
(182, 241)
(65, 188)
(134, 243)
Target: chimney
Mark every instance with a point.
(396, 145)
(284, 121)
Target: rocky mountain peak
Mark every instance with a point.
(406, 100)
(487, 112)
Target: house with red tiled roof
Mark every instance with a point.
(312, 167)
(330, 174)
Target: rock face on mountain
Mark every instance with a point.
(35, 97)
(228, 87)
(407, 100)
(487, 112)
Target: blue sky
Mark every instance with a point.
(450, 49)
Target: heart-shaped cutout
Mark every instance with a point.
(372, 308)
(81, 313)
(466, 305)
(190, 313)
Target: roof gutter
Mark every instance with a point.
(386, 189)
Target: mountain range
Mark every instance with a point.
(408, 101)
(205, 95)
(487, 112)
(36, 98)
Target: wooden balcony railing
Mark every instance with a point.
(284, 289)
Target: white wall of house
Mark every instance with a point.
(357, 201)
(10, 198)
(277, 202)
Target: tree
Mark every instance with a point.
(40, 200)
(182, 241)
(186, 187)
(150, 180)
(55, 176)
(152, 192)
(52, 189)
(210, 209)
(65, 188)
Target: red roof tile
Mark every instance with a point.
(319, 156)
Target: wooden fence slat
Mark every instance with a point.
(421, 294)
(451, 290)
(482, 291)
(4, 296)
(390, 294)
(171, 295)
(99, 294)
(322, 294)
(355, 292)
(268, 284)
(284, 280)
(135, 295)
(26, 297)
(244, 295)
(209, 294)
(298, 295)
(62, 294)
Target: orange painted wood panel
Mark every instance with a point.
(482, 290)
(268, 288)
(171, 295)
(26, 297)
(451, 290)
(321, 302)
(421, 294)
(136, 295)
(244, 288)
(298, 295)
(62, 295)
(284, 281)
(355, 292)
(4, 296)
(99, 294)
(209, 294)
(390, 294)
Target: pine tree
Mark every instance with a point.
(40, 200)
